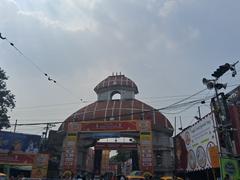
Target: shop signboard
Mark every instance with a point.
(103, 126)
(101, 135)
(19, 142)
(230, 168)
(196, 147)
(115, 146)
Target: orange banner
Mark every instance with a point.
(214, 156)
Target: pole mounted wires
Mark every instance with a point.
(173, 106)
(28, 59)
(46, 75)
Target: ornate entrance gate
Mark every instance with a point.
(124, 117)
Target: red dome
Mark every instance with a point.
(118, 81)
(130, 109)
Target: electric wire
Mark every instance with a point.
(49, 105)
(121, 115)
(58, 105)
(174, 105)
(186, 98)
(191, 104)
(49, 78)
(182, 110)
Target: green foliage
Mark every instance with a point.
(6, 101)
(121, 156)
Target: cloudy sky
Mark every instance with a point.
(165, 46)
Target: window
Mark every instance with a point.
(116, 95)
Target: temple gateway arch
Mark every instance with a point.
(124, 116)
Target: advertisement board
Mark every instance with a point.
(40, 166)
(70, 152)
(18, 142)
(196, 147)
(17, 158)
(146, 150)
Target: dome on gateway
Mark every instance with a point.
(127, 107)
(116, 82)
(120, 110)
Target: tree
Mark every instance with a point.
(7, 101)
(121, 156)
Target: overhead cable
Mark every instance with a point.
(126, 114)
(49, 78)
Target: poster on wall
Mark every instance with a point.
(19, 142)
(196, 147)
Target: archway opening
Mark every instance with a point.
(116, 155)
(116, 95)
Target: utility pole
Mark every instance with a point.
(199, 112)
(175, 126)
(181, 127)
(44, 140)
(47, 128)
(220, 108)
(15, 126)
(174, 149)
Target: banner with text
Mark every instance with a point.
(70, 152)
(196, 147)
(146, 150)
(103, 126)
(40, 166)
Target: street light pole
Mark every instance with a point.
(223, 122)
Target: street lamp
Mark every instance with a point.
(211, 83)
